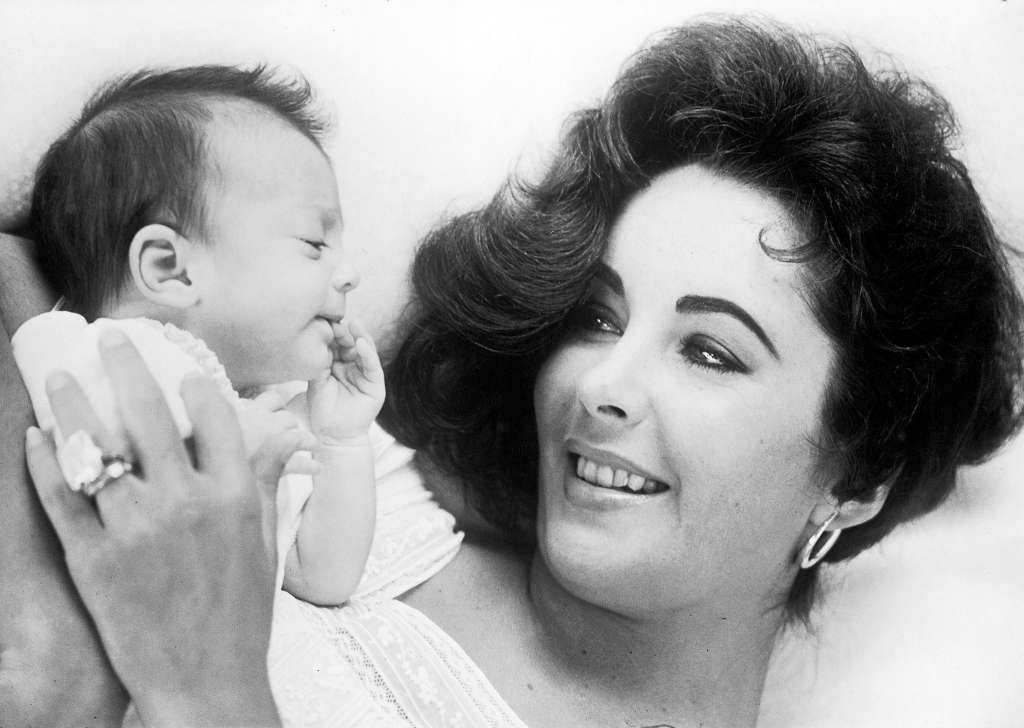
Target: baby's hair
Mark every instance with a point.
(137, 155)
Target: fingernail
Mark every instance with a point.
(33, 436)
(111, 337)
(57, 379)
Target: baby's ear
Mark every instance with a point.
(158, 258)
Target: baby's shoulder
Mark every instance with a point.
(65, 340)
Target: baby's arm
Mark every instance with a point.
(326, 562)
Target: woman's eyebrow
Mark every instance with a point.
(708, 304)
(610, 278)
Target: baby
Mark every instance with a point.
(196, 210)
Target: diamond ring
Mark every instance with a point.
(86, 467)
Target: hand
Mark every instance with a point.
(175, 562)
(262, 417)
(344, 402)
(267, 426)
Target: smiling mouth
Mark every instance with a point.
(624, 481)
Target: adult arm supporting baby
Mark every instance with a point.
(23, 292)
(53, 670)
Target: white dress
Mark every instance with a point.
(376, 661)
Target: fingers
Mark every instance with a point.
(146, 417)
(368, 361)
(361, 367)
(255, 416)
(344, 337)
(282, 420)
(358, 330)
(215, 429)
(73, 517)
(271, 400)
(73, 412)
(356, 346)
(270, 460)
(302, 462)
(316, 385)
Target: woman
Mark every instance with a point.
(752, 318)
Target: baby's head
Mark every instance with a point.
(201, 196)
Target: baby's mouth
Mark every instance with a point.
(605, 476)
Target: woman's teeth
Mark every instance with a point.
(606, 476)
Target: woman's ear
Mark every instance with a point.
(853, 512)
(158, 258)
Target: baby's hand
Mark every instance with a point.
(344, 402)
(266, 424)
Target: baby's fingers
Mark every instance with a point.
(302, 462)
(271, 400)
(271, 459)
(368, 361)
(344, 337)
(282, 420)
(358, 331)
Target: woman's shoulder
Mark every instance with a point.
(483, 587)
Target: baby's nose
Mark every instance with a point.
(345, 278)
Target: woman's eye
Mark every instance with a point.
(594, 318)
(704, 353)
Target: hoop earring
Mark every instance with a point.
(808, 556)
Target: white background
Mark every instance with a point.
(434, 102)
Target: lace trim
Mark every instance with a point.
(197, 349)
(316, 671)
(475, 684)
(408, 548)
(408, 668)
(312, 687)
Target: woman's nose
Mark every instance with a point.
(345, 277)
(612, 390)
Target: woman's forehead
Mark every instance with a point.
(696, 226)
(694, 235)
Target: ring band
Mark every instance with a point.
(86, 467)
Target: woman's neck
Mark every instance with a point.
(699, 667)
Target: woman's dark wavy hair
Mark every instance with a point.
(904, 270)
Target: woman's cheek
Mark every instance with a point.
(554, 391)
